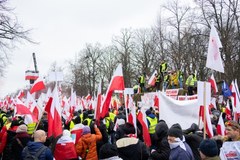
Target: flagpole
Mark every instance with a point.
(204, 115)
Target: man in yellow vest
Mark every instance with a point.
(180, 78)
(158, 81)
(152, 122)
(190, 82)
(142, 81)
(163, 67)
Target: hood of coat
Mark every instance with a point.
(88, 138)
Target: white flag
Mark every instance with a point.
(214, 60)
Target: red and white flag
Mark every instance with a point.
(132, 118)
(152, 79)
(205, 90)
(214, 60)
(228, 112)
(143, 121)
(37, 86)
(33, 106)
(221, 126)
(21, 109)
(53, 109)
(213, 84)
(21, 94)
(99, 101)
(117, 83)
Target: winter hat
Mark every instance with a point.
(108, 150)
(161, 129)
(86, 130)
(209, 148)
(66, 133)
(21, 129)
(176, 131)
(128, 128)
(148, 112)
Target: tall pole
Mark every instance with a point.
(205, 109)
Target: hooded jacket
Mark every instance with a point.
(88, 142)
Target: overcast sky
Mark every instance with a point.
(63, 27)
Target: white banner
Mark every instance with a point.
(183, 112)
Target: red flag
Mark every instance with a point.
(132, 116)
(228, 112)
(20, 94)
(142, 119)
(54, 115)
(99, 101)
(221, 126)
(117, 83)
(37, 86)
(21, 109)
(152, 79)
(213, 84)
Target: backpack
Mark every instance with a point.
(29, 156)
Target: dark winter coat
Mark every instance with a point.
(17, 147)
(130, 148)
(162, 148)
(33, 147)
(193, 140)
(180, 154)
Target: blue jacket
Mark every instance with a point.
(180, 154)
(33, 147)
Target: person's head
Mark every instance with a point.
(86, 130)
(208, 148)
(40, 136)
(128, 129)
(175, 132)
(232, 130)
(22, 129)
(107, 151)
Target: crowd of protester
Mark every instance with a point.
(87, 138)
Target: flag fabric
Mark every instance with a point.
(226, 90)
(213, 84)
(143, 121)
(54, 115)
(221, 126)
(21, 94)
(228, 111)
(235, 96)
(33, 106)
(22, 109)
(99, 101)
(116, 83)
(132, 115)
(37, 86)
(152, 79)
(214, 60)
(205, 90)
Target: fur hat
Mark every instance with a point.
(209, 147)
(86, 130)
(107, 151)
(21, 129)
(176, 131)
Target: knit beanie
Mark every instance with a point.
(21, 129)
(176, 131)
(86, 130)
(209, 148)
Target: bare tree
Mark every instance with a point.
(10, 33)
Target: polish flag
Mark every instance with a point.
(143, 121)
(228, 112)
(214, 60)
(132, 116)
(152, 79)
(33, 106)
(99, 101)
(88, 97)
(221, 126)
(156, 102)
(20, 94)
(53, 109)
(21, 109)
(37, 86)
(213, 84)
(116, 83)
(207, 93)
